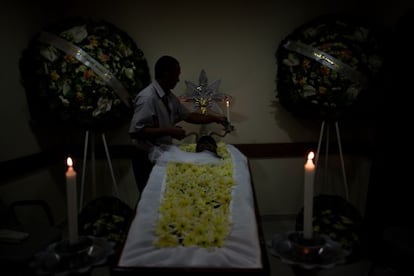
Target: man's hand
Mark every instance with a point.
(222, 120)
(198, 118)
(177, 133)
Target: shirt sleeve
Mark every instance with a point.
(181, 111)
(144, 115)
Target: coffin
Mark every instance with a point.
(243, 251)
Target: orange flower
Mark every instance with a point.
(88, 74)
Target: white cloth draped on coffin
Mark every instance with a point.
(241, 248)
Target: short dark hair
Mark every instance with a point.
(165, 64)
(206, 142)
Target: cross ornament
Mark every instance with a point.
(205, 97)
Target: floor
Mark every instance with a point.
(277, 225)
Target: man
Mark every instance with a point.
(156, 111)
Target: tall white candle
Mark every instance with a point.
(71, 197)
(308, 196)
(228, 109)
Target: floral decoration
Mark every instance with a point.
(337, 218)
(195, 208)
(326, 65)
(65, 87)
(106, 217)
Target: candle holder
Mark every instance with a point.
(65, 257)
(306, 250)
(320, 251)
(74, 254)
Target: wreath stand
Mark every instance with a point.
(327, 140)
(93, 166)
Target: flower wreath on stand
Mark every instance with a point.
(326, 70)
(326, 66)
(82, 72)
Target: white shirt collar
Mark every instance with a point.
(161, 93)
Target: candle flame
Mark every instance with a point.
(227, 103)
(311, 155)
(69, 162)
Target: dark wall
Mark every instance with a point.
(389, 201)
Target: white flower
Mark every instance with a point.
(49, 53)
(76, 34)
(308, 90)
(66, 87)
(129, 72)
(291, 61)
(64, 101)
(104, 105)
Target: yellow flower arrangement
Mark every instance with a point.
(195, 208)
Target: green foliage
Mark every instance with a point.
(62, 87)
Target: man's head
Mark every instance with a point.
(167, 71)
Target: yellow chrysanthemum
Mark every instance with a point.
(194, 210)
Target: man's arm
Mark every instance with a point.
(155, 132)
(198, 118)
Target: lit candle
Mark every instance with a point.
(228, 109)
(71, 197)
(308, 196)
